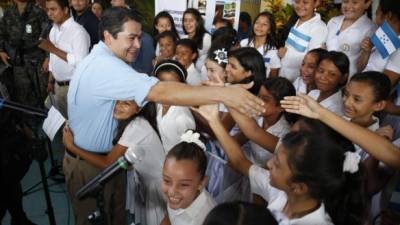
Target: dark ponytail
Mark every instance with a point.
(317, 161)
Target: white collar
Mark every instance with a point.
(317, 217)
(316, 17)
(356, 23)
(373, 127)
(65, 24)
(193, 209)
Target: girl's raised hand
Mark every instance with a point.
(209, 112)
(366, 45)
(282, 52)
(303, 105)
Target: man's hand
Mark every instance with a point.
(45, 65)
(46, 45)
(4, 57)
(237, 97)
(68, 138)
(50, 87)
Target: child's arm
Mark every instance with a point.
(100, 161)
(252, 131)
(366, 47)
(237, 159)
(380, 148)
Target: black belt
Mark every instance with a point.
(73, 155)
(63, 83)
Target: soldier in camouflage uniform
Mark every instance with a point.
(20, 29)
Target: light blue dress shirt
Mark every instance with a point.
(99, 80)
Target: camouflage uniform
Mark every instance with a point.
(19, 37)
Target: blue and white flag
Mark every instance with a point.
(385, 40)
(298, 40)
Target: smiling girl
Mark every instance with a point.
(346, 32)
(184, 182)
(138, 133)
(172, 120)
(163, 22)
(193, 26)
(330, 77)
(264, 40)
(306, 81)
(309, 32)
(310, 180)
(365, 94)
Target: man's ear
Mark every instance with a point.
(107, 37)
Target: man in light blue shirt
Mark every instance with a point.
(104, 77)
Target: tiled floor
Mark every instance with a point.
(35, 203)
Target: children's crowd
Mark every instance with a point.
(320, 153)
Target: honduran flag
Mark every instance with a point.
(298, 40)
(385, 40)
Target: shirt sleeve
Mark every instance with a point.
(133, 134)
(206, 44)
(275, 60)
(80, 47)
(394, 62)
(260, 182)
(124, 84)
(319, 36)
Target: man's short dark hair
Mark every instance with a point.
(62, 3)
(114, 18)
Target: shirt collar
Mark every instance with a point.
(102, 48)
(193, 209)
(359, 22)
(316, 17)
(65, 25)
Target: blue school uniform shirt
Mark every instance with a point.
(99, 80)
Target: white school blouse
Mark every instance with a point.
(309, 35)
(377, 63)
(195, 213)
(333, 103)
(259, 154)
(173, 124)
(143, 195)
(299, 85)
(373, 127)
(271, 58)
(349, 40)
(193, 76)
(277, 199)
